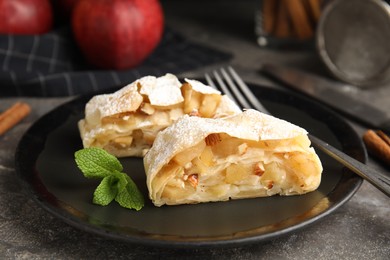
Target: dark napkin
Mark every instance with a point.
(51, 65)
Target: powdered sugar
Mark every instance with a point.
(189, 131)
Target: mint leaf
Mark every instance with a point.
(121, 180)
(106, 191)
(130, 197)
(97, 163)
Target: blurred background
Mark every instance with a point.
(197, 34)
(192, 37)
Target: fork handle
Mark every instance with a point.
(376, 178)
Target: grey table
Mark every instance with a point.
(360, 229)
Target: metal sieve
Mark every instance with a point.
(353, 40)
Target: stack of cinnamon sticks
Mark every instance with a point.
(291, 18)
(13, 115)
(378, 144)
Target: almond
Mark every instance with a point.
(259, 169)
(212, 139)
(193, 180)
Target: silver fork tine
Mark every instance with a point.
(246, 99)
(225, 89)
(221, 85)
(239, 97)
(248, 93)
(209, 81)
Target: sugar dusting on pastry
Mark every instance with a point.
(250, 125)
(200, 87)
(145, 107)
(162, 91)
(267, 127)
(247, 155)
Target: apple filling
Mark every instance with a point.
(222, 167)
(133, 133)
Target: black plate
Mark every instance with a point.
(44, 160)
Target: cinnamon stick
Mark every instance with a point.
(282, 24)
(378, 144)
(269, 17)
(13, 115)
(384, 136)
(299, 19)
(314, 9)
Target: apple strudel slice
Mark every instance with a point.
(247, 155)
(126, 122)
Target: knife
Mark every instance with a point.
(330, 93)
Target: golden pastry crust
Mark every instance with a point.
(126, 122)
(250, 154)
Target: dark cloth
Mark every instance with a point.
(51, 65)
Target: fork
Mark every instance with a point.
(231, 84)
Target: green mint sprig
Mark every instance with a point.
(115, 185)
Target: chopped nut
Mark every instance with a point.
(147, 108)
(194, 112)
(270, 185)
(242, 148)
(259, 169)
(139, 86)
(212, 139)
(193, 180)
(188, 166)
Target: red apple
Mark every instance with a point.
(117, 34)
(25, 16)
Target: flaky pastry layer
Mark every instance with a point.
(125, 123)
(243, 156)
